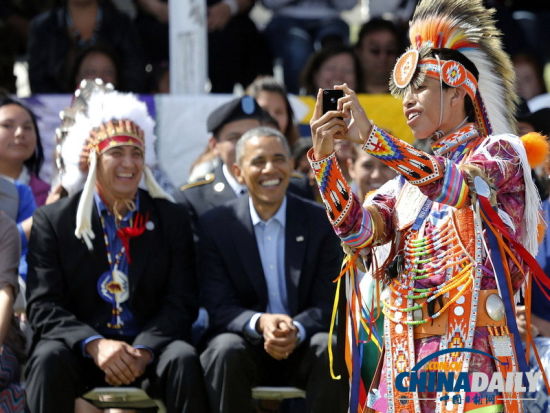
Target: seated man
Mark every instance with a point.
(267, 261)
(112, 302)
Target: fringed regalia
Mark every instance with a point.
(461, 222)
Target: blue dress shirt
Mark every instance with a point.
(270, 239)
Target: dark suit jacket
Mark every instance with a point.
(233, 286)
(63, 302)
(202, 197)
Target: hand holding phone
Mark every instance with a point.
(330, 99)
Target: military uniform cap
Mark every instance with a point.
(244, 107)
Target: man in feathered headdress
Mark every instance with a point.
(462, 222)
(111, 294)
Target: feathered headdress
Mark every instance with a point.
(465, 26)
(99, 119)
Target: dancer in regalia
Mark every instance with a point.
(462, 222)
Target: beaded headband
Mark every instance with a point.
(453, 73)
(116, 133)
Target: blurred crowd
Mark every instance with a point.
(125, 42)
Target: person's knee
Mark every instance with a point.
(181, 353)
(227, 348)
(51, 358)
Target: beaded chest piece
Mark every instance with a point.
(435, 293)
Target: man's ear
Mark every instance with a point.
(236, 169)
(458, 96)
(212, 142)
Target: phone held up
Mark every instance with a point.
(330, 99)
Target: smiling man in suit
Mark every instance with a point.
(112, 301)
(267, 261)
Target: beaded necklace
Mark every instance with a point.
(421, 262)
(118, 255)
(459, 138)
(114, 285)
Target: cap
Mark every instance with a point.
(244, 107)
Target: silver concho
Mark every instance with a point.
(417, 315)
(494, 307)
(482, 187)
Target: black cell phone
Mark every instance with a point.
(330, 99)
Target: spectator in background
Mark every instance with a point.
(329, 67)
(538, 121)
(161, 78)
(529, 76)
(399, 11)
(21, 153)
(377, 47)
(15, 16)
(237, 51)
(298, 28)
(21, 156)
(272, 97)
(533, 18)
(151, 22)
(299, 153)
(367, 173)
(301, 165)
(57, 37)
(12, 395)
(97, 62)
(266, 283)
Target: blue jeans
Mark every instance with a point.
(293, 40)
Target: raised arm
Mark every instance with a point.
(358, 227)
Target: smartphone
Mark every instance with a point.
(330, 99)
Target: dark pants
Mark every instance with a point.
(233, 366)
(56, 376)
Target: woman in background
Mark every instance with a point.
(272, 97)
(332, 66)
(21, 153)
